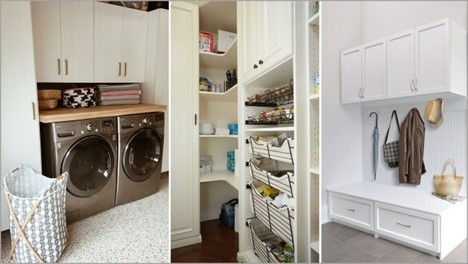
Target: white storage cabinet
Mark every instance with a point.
(63, 41)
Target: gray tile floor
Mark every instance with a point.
(347, 245)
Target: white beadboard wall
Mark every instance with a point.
(449, 140)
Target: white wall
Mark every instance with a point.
(341, 125)
(383, 18)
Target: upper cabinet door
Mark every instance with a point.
(108, 66)
(432, 57)
(47, 41)
(249, 38)
(351, 76)
(77, 30)
(276, 32)
(400, 64)
(135, 30)
(374, 70)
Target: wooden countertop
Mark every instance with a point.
(70, 114)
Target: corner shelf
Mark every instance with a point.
(227, 60)
(315, 20)
(314, 96)
(229, 96)
(315, 246)
(269, 129)
(221, 175)
(315, 170)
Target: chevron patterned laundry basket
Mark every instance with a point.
(38, 225)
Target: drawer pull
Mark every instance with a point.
(408, 226)
(350, 209)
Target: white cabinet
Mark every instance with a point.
(19, 114)
(358, 212)
(155, 89)
(268, 36)
(351, 75)
(63, 41)
(120, 36)
(400, 64)
(427, 60)
(374, 64)
(185, 186)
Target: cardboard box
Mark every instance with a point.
(225, 40)
(206, 42)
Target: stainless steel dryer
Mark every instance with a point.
(87, 149)
(140, 146)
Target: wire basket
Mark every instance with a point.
(281, 95)
(273, 117)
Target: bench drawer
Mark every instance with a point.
(355, 211)
(416, 228)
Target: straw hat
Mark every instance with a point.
(435, 112)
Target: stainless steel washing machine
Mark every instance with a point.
(141, 149)
(87, 150)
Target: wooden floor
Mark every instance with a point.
(220, 244)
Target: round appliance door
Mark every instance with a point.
(90, 163)
(142, 155)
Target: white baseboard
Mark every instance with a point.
(186, 242)
(324, 214)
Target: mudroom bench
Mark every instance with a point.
(403, 214)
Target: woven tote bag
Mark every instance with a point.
(448, 185)
(38, 225)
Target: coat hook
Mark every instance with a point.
(376, 117)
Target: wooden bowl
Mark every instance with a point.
(49, 94)
(48, 104)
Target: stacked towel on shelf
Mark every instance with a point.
(119, 94)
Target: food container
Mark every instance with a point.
(233, 129)
(49, 94)
(225, 40)
(47, 104)
(206, 42)
(79, 97)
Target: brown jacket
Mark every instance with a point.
(411, 148)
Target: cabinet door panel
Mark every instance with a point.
(107, 42)
(276, 32)
(19, 114)
(374, 70)
(432, 53)
(135, 30)
(400, 64)
(47, 44)
(77, 23)
(351, 75)
(250, 38)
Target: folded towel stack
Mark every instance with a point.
(119, 94)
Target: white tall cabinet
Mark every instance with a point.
(19, 113)
(155, 89)
(63, 41)
(184, 156)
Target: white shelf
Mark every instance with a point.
(219, 136)
(225, 61)
(229, 96)
(315, 246)
(315, 20)
(315, 170)
(222, 175)
(269, 129)
(314, 96)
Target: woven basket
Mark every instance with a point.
(49, 94)
(446, 185)
(47, 104)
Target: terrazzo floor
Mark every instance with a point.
(130, 233)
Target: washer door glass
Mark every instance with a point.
(90, 163)
(142, 155)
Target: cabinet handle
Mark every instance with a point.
(350, 209)
(34, 110)
(66, 67)
(260, 62)
(58, 66)
(412, 85)
(255, 66)
(405, 225)
(125, 69)
(120, 68)
(416, 84)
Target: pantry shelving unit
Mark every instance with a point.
(220, 108)
(313, 139)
